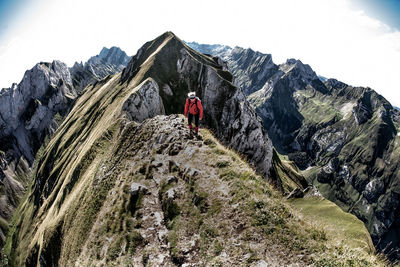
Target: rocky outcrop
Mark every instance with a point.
(347, 135)
(144, 103)
(109, 61)
(29, 112)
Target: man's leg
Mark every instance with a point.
(190, 118)
(196, 123)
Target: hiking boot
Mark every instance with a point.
(190, 135)
(197, 135)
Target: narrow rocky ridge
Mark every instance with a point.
(152, 196)
(178, 69)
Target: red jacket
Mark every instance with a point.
(194, 106)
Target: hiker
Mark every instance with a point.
(193, 108)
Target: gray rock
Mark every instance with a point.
(361, 113)
(171, 179)
(311, 191)
(373, 190)
(137, 188)
(261, 263)
(27, 110)
(170, 194)
(251, 69)
(27, 116)
(145, 102)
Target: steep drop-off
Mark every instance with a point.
(251, 69)
(346, 137)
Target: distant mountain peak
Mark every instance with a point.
(304, 71)
(109, 61)
(113, 55)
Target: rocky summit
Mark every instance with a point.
(344, 138)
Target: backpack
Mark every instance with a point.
(191, 104)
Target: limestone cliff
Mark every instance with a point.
(29, 112)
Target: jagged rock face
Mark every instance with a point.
(251, 69)
(350, 140)
(177, 69)
(217, 50)
(27, 116)
(108, 62)
(27, 109)
(49, 84)
(32, 110)
(114, 56)
(279, 112)
(347, 137)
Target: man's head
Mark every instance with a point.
(192, 94)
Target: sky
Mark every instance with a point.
(355, 41)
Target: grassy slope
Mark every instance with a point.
(343, 228)
(78, 144)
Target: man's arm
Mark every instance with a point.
(186, 107)
(200, 106)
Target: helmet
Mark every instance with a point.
(192, 94)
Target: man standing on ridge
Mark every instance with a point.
(193, 108)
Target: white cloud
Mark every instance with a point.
(334, 39)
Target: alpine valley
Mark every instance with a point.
(97, 166)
